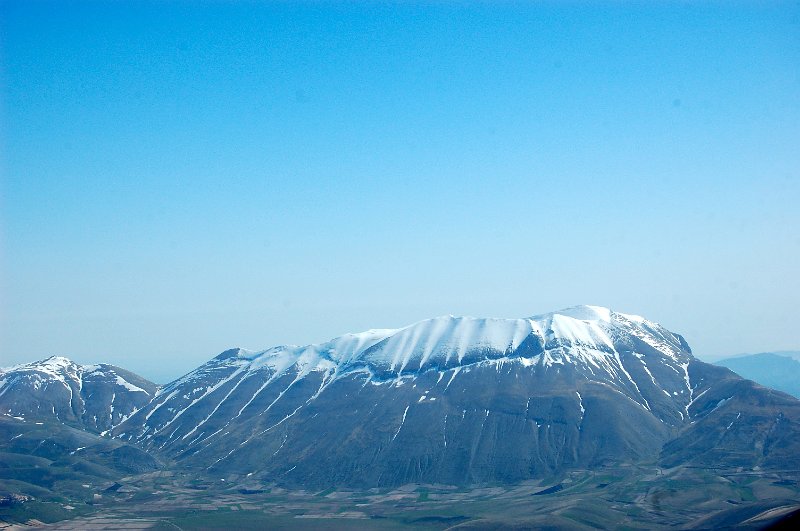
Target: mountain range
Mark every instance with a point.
(456, 401)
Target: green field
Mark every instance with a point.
(622, 498)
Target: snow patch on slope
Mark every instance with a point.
(595, 339)
(584, 334)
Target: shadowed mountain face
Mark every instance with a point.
(736, 423)
(463, 401)
(92, 397)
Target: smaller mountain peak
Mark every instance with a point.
(52, 363)
(586, 312)
(230, 353)
(592, 313)
(57, 360)
(239, 352)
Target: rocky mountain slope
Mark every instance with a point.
(91, 397)
(736, 423)
(458, 400)
(52, 414)
(451, 400)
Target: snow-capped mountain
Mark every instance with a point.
(94, 397)
(451, 400)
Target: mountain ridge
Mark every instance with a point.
(577, 387)
(587, 326)
(95, 397)
(460, 401)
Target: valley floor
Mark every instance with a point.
(619, 498)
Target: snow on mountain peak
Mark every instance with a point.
(589, 334)
(584, 313)
(55, 367)
(448, 337)
(66, 371)
(593, 313)
(628, 354)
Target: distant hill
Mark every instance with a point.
(794, 354)
(52, 413)
(778, 370)
(91, 397)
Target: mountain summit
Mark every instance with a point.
(462, 400)
(588, 337)
(92, 397)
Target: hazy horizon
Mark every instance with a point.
(179, 179)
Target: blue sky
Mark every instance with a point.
(178, 179)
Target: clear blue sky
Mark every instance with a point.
(178, 179)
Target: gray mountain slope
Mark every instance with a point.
(460, 402)
(736, 423)
(454, 401)
(92, 397)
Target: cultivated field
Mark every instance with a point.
(619, 498)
